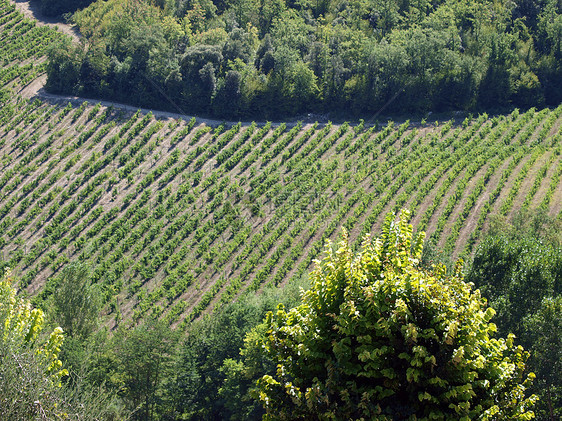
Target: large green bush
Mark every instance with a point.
(377, 337)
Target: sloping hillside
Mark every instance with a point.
(175, 217)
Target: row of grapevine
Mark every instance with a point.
(23, 44)
(175, 217)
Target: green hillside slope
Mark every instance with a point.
(175, 217)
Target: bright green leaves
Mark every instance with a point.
(19, 323)
(376, 337)
(20, 326)
(30, 370)
(49, 355)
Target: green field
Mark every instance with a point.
(176, 217)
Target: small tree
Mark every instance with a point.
(30, 370)
(143, 358)
(76, 303)
(377, 337)
(544, 328)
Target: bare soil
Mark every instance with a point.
(505, 191)
(30, 91)
(470, 223)
(556, 203)
(459, 206)
(528, 184)
(545, 185)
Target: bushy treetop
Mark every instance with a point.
(378, 337)
(20, 325)
(30, 369)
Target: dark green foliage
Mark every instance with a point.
(237, 46)
(142, 362)
(515, 276)
(195, 389)
(543, 331)
(63, 67)
(76, 303)
(518, 264)
(268, 58)
(518, 267)
(57, 8)
(228, 96)
(209, 382)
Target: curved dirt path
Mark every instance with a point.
(32, 10)
(35, 89)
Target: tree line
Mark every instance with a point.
(273, 58)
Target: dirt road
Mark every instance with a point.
(36, 90)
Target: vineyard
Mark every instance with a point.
(176, 217)
(22, 48)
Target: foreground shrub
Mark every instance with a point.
(30, 371)
(377, 337)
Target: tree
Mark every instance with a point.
(208, 84)
(495, 88)
(518, 267)
(238, 45)
(228, 98)
(210, 341)
(143, 358)
(545, 329)
(376, 337)
(76, 303)
(198, 68)
(63, 66)
(30, 370)
(208, 383)
(515, 275)
(93, 70)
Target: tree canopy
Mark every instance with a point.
(376, 337)
(269, 58)
(30, 370)
(57, 8)
(518, 267)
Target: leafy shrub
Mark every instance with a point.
(30, 371)
(518, 268)
(376, 337)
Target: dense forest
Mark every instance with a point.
(274, 58)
